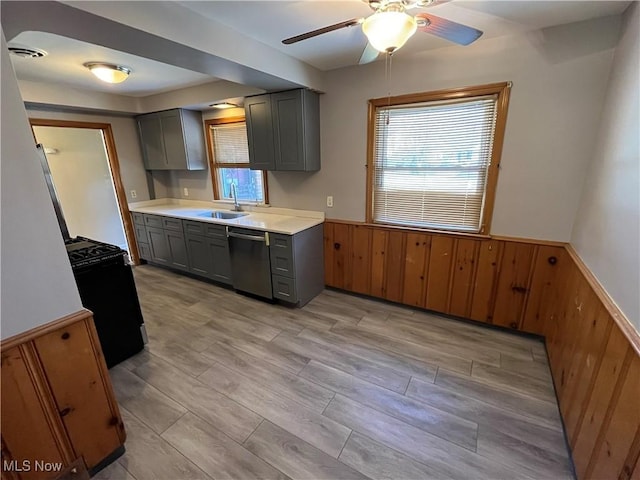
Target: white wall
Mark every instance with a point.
(559, 79)
(36, 282)
(125, 134)
(606, 234)
(80, 170)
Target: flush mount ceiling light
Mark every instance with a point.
(388, 30)
(108, 72)
(223, 105)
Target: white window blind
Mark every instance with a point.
(230, 143)
(431, 162)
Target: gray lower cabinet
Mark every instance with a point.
(208, 251)
(297, 265)
(202, 248)
(165, 246)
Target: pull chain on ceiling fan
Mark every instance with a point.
(390, 26)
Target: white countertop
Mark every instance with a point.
(272, 219)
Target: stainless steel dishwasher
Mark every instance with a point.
(250, 263)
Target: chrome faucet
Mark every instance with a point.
(234, 196)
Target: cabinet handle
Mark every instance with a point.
(552, 260)
(65, 335)
(336, 246)
(519, 289)
(65, 412)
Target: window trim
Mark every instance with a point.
(501, 89)
(213, 166)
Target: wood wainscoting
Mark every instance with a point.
(532, 286)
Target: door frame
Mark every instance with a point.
(114, 167)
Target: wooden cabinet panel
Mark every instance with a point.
(81, 390)
(361, 259)
(394, 282)
(513, 283)
(439, 275)
(379, 240)
(28, 415)
(464, 267)
(485, 282)
(415, 263)
(548, 262)
(620, 442)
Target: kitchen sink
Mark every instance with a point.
(224, 215)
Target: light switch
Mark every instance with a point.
(134, 194)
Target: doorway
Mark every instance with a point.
(86, 174)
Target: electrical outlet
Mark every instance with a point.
(134, 194)
(185, 191)
(330, 201)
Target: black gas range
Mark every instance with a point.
(107, 288)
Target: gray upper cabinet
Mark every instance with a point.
(172, 140)
(283, 130)
(259, 123)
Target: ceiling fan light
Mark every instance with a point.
(388, 31)
(108, 72)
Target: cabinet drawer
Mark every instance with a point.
(196, 228)
(153, 221)
(173, 224)
(284, 288)
(281, 254)
(215, 231)
(138, 218)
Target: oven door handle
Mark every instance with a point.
(244, 236)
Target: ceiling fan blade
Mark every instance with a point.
(452, 31)
(368, 55)
(320, 31)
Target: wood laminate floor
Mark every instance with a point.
(234, 388)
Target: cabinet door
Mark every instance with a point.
(178, 250)
(260, 132)
(288, 133)
(173, 136)
(221, 266)
(78, 378)
(159, 245)
(152, 143)
(200, 259)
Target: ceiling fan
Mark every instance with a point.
(390, 26)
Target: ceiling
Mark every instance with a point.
(259, 27)
(66, 56)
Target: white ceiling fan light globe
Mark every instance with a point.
(388, 31)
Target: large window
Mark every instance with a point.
(433, 158)
(229, 162)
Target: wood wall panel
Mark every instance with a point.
(618, 447)
(513, 284)
(394, 272)
(379, 239)
(462, 278)
(416, 262)
(439, 273)
(486, 279)
(594, 357)
(361, 259)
